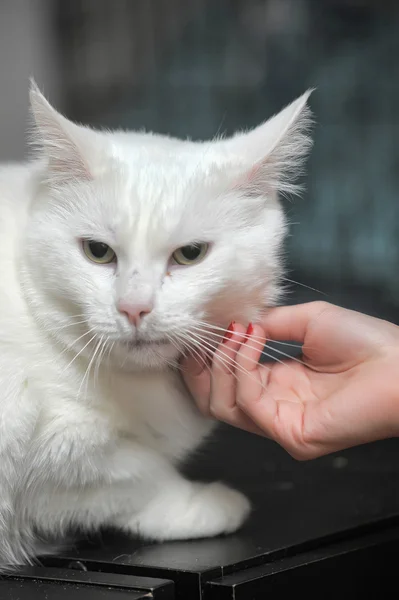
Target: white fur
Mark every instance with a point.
(92, 427)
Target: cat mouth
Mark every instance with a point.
(145, 344)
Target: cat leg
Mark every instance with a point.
(89, 509)
(186, 510)
(179, 510)
(145, 496)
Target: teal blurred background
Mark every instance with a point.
(204, 67)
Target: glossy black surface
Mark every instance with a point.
(37, 590)
(352, 569)
(159, 588)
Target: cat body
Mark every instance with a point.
(94, 416)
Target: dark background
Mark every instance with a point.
(198, 67)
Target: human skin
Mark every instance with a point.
(344, 393)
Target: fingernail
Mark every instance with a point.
(229, 332)
(250, 329)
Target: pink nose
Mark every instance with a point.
(135, 312)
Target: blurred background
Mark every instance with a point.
(200, 67)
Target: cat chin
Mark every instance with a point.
(131, 357)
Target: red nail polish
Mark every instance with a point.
(229, 332)
(250, 329)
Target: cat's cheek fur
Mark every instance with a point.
(91, 435)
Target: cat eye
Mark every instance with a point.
(98, 252)
(190, 254)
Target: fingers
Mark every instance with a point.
(281, 421)
(291, 322)
(251, 381)
(196, 376)
(226, 375)
(252, 400)
(214, 389)
(223, 379)
(279, 418)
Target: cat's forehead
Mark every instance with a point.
(153, 198)
(155, 192)
(150, 175)
(156, 157)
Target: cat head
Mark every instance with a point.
(141, 245)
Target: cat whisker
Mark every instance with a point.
(265, 352)
(232, 366)
(294, 358)
(225, 359)
(96, 358)
(157, 354)
(305, 286)
(99, 360)
(189, 347)
(72, 344)
(111, 347)
(81, 350)
(122, 364)
(175, 345)
(57, 329)
(214, 328)
(292, 345)
(266, 349)
(86, 374)
(200, 359)
(274, 358)
(203, 357)
(254, 338)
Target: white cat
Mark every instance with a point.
(119, 251)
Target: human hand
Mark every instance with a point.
(344, 392)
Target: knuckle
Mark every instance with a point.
(204, 408)
(320, 307)
(214, 412)
(219, 366)
(302, 454)
(219, 413)
(240, 400)
(205, 411)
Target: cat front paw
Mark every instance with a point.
(222, 509)
(191, 510)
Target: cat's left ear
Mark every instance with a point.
(69, 148)
(273, 153)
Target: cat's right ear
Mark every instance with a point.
(67, 146)
(273, 153)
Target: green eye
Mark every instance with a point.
(191, 254)
(98, 252)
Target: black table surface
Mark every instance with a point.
(299, 508)
(294, 504)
